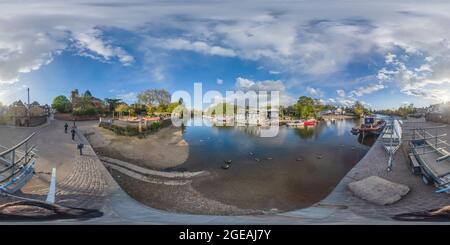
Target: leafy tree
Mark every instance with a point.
(111, 104)
(61, 104)
(305, 107)
(139, 109)
(358, 109)
(121, 108)
(222, 109)
(154, 97)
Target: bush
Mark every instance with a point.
(132, 130)
(87, 112)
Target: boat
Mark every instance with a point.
(16, 166)
(296, 123)
(310, 122)
(371, 125)
(430, 159)
(392, 139)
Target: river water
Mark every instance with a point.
(295, 169)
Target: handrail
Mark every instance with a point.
(17, 145)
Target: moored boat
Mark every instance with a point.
(371, 125)
(310, 122)
(296, 123)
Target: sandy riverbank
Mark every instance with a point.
(160, 151)
(164, 149)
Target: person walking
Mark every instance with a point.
(65, 127)
(73, 133)
(80, 147)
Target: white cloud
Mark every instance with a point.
(197, 46)
(219, 81)
(274, 72)
(340, 92)
(315, 92)
(92, 45)
(390, 58)
(294, 38)
(129, 97)
(266, 85)
(245, 85)
(371, 88)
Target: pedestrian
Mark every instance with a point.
(73, 133)
(65, 127)
(80, 147)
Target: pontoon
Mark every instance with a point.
(430, 158)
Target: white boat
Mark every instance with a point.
(392, 139)
(296, 123)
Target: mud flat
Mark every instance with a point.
(150, 182)
(164, 149)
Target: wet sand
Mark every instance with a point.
(180, 199)
(161, 150)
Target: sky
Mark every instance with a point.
(384, 53)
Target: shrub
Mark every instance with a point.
(130, 130)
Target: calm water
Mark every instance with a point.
(296, 169)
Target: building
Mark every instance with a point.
(28, 116)
(77, 100)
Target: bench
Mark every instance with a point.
(415, 166)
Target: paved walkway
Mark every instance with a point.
(84, 181)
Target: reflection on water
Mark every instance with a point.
(295, 169)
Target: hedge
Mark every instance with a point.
(134, 130)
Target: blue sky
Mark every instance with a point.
(385, 54)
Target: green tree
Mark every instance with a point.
(154, 97)
(358, 109)
(122, 108)
(305, 107)
(111, 104)
(61, 104)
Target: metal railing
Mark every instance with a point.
(15, 159)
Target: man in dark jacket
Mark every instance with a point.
(73, 133)
(65, 127)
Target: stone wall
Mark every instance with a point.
(33, 121)
(70, 117)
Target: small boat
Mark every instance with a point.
(430, 159)
(371, 125)
(392, 139)
(296, 124)
(310, 122)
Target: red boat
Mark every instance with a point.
(310, 122)
(371, 125)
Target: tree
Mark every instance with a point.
(305, 107)
(358, 109)
(154, 97)
(121, 108)
(61, 104)
(111, 104)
